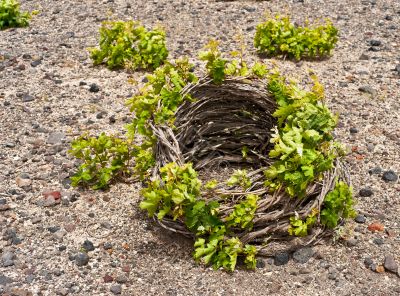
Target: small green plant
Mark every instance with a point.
(104, 158)
(303, 143)
(11, 16)
(179, 196)
(239, 177)
(278, 36)
(298, 227)
(130, 45)
(337, 204)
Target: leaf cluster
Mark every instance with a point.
(178, 195)
(104, 158)
(219, 67)
(11, 16)
(130, 45)
(298, 227)
(303, 143)
(338, 204)
(278, 36)
(156, 103)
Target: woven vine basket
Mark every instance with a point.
(211, 131)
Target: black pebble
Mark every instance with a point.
(360, 219)
(94, 88)
(375, 42)
(366, 192)
(353, 130)
(389, 176)
(281, 258)
(88, 245)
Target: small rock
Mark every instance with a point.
(88, 245)
(53, 229)
(360, 219)
(363, 57)
(374, 42)
(5, 280)
(389, 176)
(281, 258)
(23, 182)
(388, 17)
(81, 259)
(379, 269)
(107, 246)
(121, 279)
(112, 119)
(366, 192)
(390, 264)
(368, 262)
(260, 263)
(352, 242)
(376, 227)
(397, 69)
(36, 62)
(3, 201)
(8, 259)
(116, 289)
(303, 255)
(375, 171)
(27, 98)
(353, 130)
(367, 89)
(108, 278)
(69, 227)
(94, 88)
(378, 241)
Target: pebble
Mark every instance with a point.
(390, 264)
(27, 98)
(368, 262)
(121, 279)
(303, 255)
(353, 130)
(352, 242)
(81, 259)
(375, 171)
(389, 176)
(397, 69)
(360, 219)
(88, 245)
(363, 57)
(8, 259)
(5, 280)
(260, 263)
(22, 181)
(116, 289)
(367, 89)
(107, 278)
(374, 42)
(281, 258)
(107, 246)
(378, 241)
(94, 88)
(366, 192)
(53, 229)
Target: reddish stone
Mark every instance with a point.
(108, 278)
(376, 227)
(126, 268)
(69, 227)
(55, 194)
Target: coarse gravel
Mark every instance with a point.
(57, 240)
